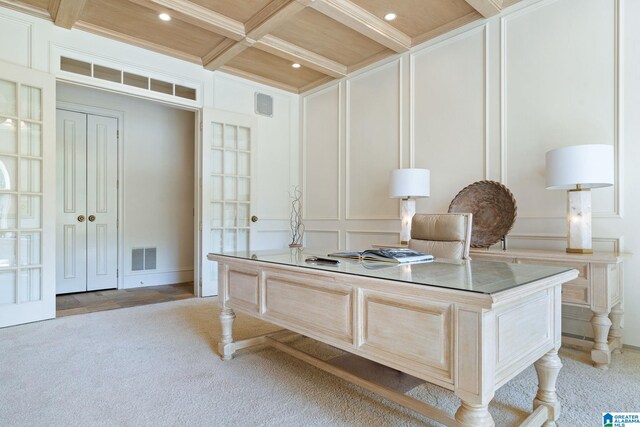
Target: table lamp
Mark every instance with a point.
(578, 169)
(408, 184)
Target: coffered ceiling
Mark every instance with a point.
(261, 39)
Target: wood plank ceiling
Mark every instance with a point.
(261, 39)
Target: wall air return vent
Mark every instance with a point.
(143, 259)
(264, 104)
(116, 75)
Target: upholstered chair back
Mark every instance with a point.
(442, 235)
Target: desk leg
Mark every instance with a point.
(615, 333)
(472, 415)
(547, 368)
(600, 354)
(226, 346)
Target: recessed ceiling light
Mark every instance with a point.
(164, 17)
(390, 16)
(296, 65)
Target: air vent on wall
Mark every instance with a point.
(143, 259)
(264, 104)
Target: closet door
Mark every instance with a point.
(71, 275)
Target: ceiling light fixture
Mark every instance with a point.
(164, 17)
(390, 16)
(296, 65)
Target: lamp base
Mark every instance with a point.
(407, 211)
(579, 251)
(579, 221)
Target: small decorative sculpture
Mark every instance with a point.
(295, 220)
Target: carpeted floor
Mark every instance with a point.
(157, 365)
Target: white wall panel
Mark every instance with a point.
(448, 116)
(373, 142)
(322, 239)
(559, 90)
(361, 240)
(15, 41)
(321, 155)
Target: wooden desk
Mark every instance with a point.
(463, 334)
(599, 287)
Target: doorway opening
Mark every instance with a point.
(126, 205)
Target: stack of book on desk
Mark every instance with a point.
(395, 255)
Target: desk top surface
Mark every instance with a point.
(485, 277)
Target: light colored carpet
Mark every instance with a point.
(157, 365)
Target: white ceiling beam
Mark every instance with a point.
(486, 8)
(198, 15)
(274, 14)
(295, 53)
(65, 13)
(225, 52)
(364, 22)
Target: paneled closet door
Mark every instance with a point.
(27, 191)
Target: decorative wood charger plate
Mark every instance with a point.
(494, 211)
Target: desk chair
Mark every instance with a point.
(442, 235)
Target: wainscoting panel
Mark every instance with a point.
(361, 240)
(559, 83)
(15, 41)
(321, 154)
(322, 239)
(374, 143)
(448, 115)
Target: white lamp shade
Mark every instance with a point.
(590, 166)
(409, 183)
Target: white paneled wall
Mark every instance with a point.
(486, 102)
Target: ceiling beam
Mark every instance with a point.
(364, 22)
(198, 15)
(65, 13)
(271, 16)
(225, 52)
(294, 53)
(487, 8)
(259, 79)
(114, 35)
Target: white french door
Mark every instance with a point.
(87, 212)
(27, 195)
(228, 212)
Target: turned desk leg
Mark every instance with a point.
(226, 346)
(472, 415)
(547, 368)
(615, 333)
(600, 354)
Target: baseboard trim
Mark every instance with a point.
(158, 278)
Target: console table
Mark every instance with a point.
(599, 287)
(457, 324)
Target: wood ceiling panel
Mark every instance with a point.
(136, 21)
(274, 68)
(417, 17)
(240, 10)
(317, 33)
(40, 4)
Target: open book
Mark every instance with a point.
(400, 255)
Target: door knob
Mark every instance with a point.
(254, 219)
(92, 218)
(81, 218)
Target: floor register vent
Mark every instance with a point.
(143, 259)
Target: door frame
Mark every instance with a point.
(118, 115)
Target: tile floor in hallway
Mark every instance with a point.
(88, 302)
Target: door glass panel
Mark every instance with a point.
(30, 284)
(243, 215)
(7, 249)
(8, 173)
(230, 215)
(30, 248)
(8, 135)
(30, 211)
(217, 135)
(8, 204)
(216, 240)
(243, 189)
(216, 166)
(30, 105)
(216, 187)
(8, 98)
(244, 164)
(230, 188)
(30, 178)
(7, 287)
(230, 136)
(216, 221)
(30, 139)
(243, 138)
(229, 241)
(230, 163)
(243, 240)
